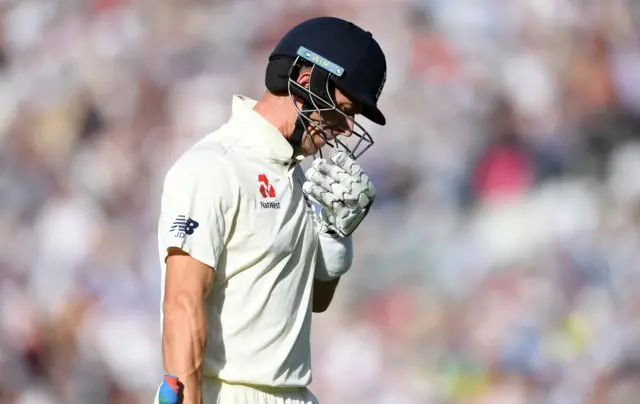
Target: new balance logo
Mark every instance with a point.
(183, 226)
(267, 191)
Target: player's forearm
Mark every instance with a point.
(323, 292)
(183, 343)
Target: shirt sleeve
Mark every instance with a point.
(196, 212)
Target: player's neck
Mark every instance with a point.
(277, 111)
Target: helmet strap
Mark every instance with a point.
(298, 131)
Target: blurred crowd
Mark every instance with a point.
(500, 263)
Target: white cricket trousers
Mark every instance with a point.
(218, 392)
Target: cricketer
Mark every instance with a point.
(245, 257)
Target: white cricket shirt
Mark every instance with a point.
(234, 201)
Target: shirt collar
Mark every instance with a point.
(258, 134)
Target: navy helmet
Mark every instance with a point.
(341, 55)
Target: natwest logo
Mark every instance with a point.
(267, 191)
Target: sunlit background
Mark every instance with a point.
(499, 265)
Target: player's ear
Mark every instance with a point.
(304, 78)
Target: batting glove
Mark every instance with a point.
(170, 391)
(343, 191)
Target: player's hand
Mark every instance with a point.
(342, 189)
(170, 391)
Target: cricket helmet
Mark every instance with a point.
(340, 55)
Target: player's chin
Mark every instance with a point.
(318, 142)
(310, 148)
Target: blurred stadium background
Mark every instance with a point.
(500, 264)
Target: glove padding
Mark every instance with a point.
(343, 191)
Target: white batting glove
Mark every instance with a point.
(342, 189)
